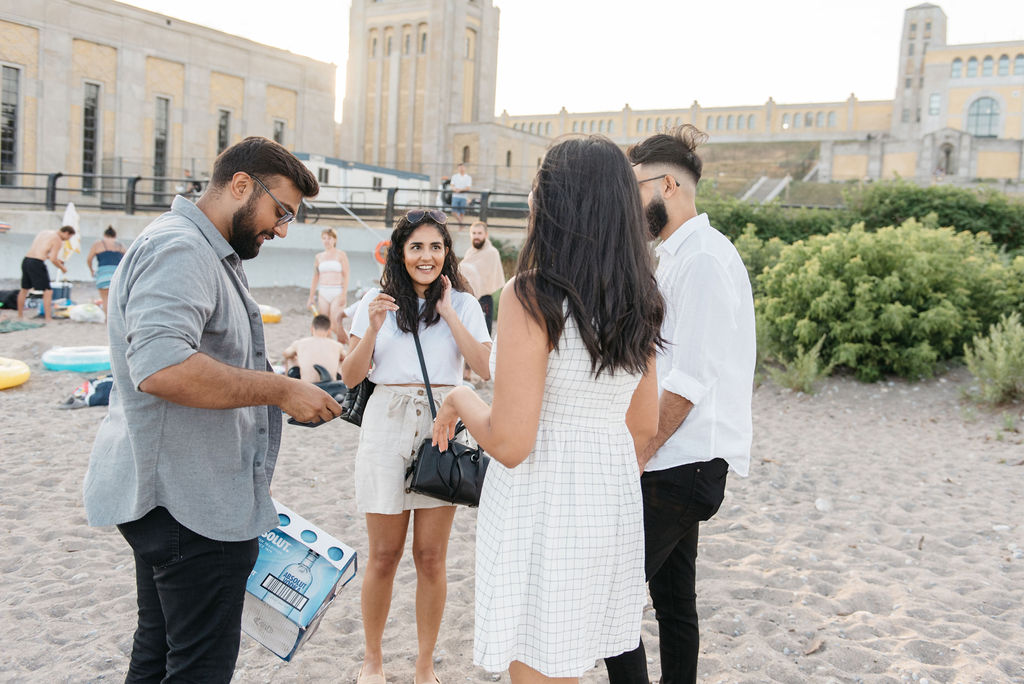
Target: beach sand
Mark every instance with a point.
(878, 539)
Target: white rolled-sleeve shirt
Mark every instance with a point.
(710, 347)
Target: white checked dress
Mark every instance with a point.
(560, 539)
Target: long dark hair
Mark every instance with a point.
(397, 283)
(587, 249)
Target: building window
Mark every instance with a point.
(547, 128)
(927, 29)
(387, 46)
(611, 126)
(161, 130)
(591, 126)
(377, 183)
(1004, 65)
(958, 68)
(9, 96)
(831, 119)
(820, 120)
(90, 133)
(323, 176)
(600, 126)
(1018, 65)
(808, 120)
(657, 124)
(983, 118)
(508, 159)
(933, 104)
(906, 83)
(910, 49)
(905, 116)
(373, 47)
(223, 130)
(718, 122)
(423, 43)
(728, 123)
(406, 44)
(785, 122)
(278, 134)
(913, 30)
(740, 120)
(650, 122)
(576, 126)
(972, 67)
(798, 119)
(711, 124)
(465, 154)
(750, 122)
(986, 67)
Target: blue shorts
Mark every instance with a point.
(458, 204)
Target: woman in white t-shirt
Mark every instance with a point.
(423, 291)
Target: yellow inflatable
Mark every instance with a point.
(270, 314)
(12, 373)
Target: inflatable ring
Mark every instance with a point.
(270, 314)
(80, 359)
(380, 252)
(12, 372)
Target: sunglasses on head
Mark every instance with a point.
(417, 215)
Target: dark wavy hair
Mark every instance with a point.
(587, 249)
(397, 283)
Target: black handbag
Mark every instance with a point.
(354, 403)
(455, 475)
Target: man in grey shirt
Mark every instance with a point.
(182, 464)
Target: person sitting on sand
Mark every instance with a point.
(318, 350)
(34, 276)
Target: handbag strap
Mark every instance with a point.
(423, 368)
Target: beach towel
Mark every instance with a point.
(14, 326)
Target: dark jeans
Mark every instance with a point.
(676, 500)
(487, 304)
(190, 594)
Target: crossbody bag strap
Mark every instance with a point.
(423, 368)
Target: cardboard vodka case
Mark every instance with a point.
(299, 571)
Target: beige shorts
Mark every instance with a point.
(395, 422)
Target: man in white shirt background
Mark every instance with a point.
(705, 377)
(460, 185)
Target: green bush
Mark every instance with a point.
(895, 301)
(757, 254)
(803, 371)
(731, 216)
(997, 360)
(981, 210)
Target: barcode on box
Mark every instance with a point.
(284, 592)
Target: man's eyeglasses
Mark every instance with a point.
(288, 216)
(664, 175)
(417, 215)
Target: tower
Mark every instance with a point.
(924, 27)
(414, 68)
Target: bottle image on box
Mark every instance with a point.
(287, 592)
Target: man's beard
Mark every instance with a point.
(480, 244)
(244, 236)
(657, 216)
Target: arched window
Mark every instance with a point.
(679, 121)
(531, 127)
(957, 69)
(798, 119)
(657, 124)
(831, 119)
(972, 67)
(1018, 65)
(649, 125)
(508, 159)
(819, 120)
(750, 122)
(740, 120)
(785, 121)
(711, 124)
(465, 154)
(808, 120)
(639, 125)
(986, 66)
(575, 126)
(728, 123)
(611, 126)
(718, 122)
(983, 118)
(600, 126)
(1004, 65)
(547, 128)
(591, 125)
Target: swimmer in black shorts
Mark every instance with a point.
(34, 276)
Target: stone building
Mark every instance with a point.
(92, 87)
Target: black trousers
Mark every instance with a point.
(190, 594)
(487, 304)
(676, 500)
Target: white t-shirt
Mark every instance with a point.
(709, 358)
(394, 354)
(461, 180)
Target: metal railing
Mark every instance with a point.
(132, 194)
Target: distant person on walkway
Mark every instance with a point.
(460, 185)
(706, 376)
(487, 275)
(330, 283)
(107, 252)
(34, 276)
(320, 349)
(183, 461)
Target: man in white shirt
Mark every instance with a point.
(461, 182)
(483, 270)
(705, 374)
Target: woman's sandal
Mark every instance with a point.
(378, 678)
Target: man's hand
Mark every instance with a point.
(307, 403)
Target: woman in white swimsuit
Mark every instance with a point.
(330, 283)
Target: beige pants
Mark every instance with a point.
(395, 422)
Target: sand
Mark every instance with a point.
(878, 539)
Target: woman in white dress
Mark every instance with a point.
(422, 291)
(560, 567)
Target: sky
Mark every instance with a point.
(600, 55)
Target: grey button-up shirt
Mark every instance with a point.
(180, 289)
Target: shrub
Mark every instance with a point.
(895, 301)
(757, 254)
(803, 371)
(997, 360)
(731, 216)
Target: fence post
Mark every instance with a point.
(485, 198)
(389, 207)
(51, 190)
(129, 194)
